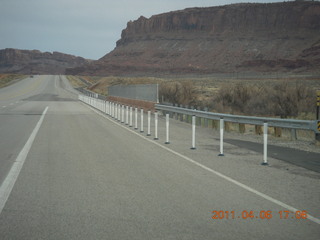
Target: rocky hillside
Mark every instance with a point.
(274, 37)
(36, 62)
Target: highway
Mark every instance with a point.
(67, 171)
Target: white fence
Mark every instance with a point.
(126, 115)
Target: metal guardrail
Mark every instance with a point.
(272, 122)
(90, 93)
(124, 114)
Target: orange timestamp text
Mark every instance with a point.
(262, 214)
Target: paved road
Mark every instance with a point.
(86, 176)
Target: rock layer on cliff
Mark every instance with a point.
(36, 62)
(274, 37)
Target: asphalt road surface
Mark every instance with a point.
(305, 159)
(68, 171)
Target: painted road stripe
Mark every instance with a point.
(10, 180)
(260, 194)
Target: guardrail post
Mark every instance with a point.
(242, 128)
(112, 110)
(174, 114)
(293, 134)
(130, 124)
(265, 144)
(122, 117)
(116, 111)
(193, 147)
(167, 129)
(119, 112)
(186, 115)
(198, 119)
(221, 137)
(258, 129)
(277, 132)
(206, 119)
(149, 123)
(127, 115)
(136, 119)
(156, 126)
(141, 121)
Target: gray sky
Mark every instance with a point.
(86, 28)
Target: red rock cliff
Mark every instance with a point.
(281, 37)
(36, 62)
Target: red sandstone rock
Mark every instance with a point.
(36, 62)
(274, 37)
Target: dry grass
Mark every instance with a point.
(76, 82)
(7, 79)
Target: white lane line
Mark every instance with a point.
(7, 185)
(260, 194)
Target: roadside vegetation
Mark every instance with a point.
(7, 79)
(285, 98)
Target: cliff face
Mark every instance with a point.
(281, 37)
(36, 62)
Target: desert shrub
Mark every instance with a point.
(178, 92)
(284, 100)
(235, 96)
(168, 92)
(281, 99)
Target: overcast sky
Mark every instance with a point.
(86, 28)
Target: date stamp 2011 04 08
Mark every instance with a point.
(263, 214)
